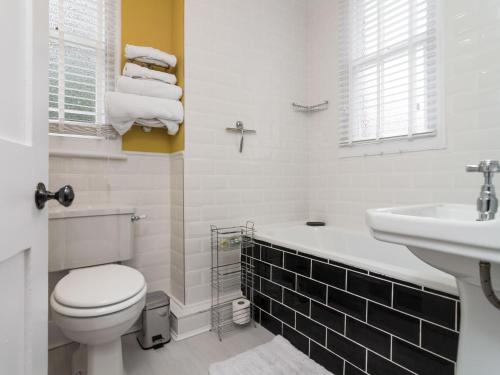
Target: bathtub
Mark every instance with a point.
(357, 249)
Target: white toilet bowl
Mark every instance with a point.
(95, 306)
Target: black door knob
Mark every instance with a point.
(64, 195)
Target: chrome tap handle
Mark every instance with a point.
(487, 203)
(485, 166)
(472, 168)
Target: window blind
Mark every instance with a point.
(387, 70)
(83, 63)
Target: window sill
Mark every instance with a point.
(86, 148)
(393, 146)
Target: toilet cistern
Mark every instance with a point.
(487, 203)
(97, 301)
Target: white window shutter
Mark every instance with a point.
(387, 70)
(83, 64)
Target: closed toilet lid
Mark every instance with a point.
(98, 286)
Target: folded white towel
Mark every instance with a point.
(137, 71)
(148, 87)
(150, 55)
(125, 109)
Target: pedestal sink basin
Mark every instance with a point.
(450, 238)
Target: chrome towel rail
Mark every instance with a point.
(311, 108)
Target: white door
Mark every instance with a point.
(23, 163)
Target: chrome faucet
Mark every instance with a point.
(487, 203)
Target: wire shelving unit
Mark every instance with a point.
(231, 276)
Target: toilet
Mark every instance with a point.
(98, 300)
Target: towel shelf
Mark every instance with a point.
(148, 64)
(311, 108)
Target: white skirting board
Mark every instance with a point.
(191, 320)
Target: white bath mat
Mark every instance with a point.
(277, 357)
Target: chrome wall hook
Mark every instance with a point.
(240, 128)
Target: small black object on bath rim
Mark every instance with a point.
(315, 223)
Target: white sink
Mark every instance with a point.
(450, 238)
(448, 228)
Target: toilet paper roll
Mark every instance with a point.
(241, 311)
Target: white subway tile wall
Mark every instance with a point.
(245, 60)
(141, 181)
(340, 190)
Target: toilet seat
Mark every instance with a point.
(95, 291)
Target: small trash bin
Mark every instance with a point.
(155, 321)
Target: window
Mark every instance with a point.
(388, 76)
(83, 63)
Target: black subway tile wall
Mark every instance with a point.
(327, 316)
(425, 305)
(272, 324)
(369, 287)
(271, 289)
(347, 303)
(353, 321)
(261, 301)
(262, 269)
(311, 329)
(297, 339)
(394, 322)
(327, 359)
(296, 301)
(380, 366)
(440, 340)
(331, 275)
(419, 360)
(352, 370)
(368, 336)
(271, 256)
(347, 349)
(311, 288)
(282, 277)
(283, 313)
(298, 264)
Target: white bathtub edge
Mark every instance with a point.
(435, 279)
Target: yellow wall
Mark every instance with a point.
(159, 24)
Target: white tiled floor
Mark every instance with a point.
(191, 356)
